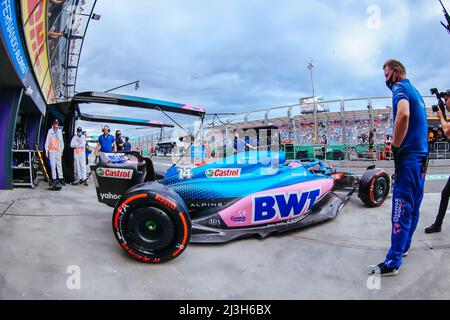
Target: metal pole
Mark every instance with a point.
(311, 67)
(343, 124)
(136, 83)
(370, 107)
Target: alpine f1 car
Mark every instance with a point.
(156, 215)
(240, 196)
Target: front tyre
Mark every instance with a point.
(374, 187)
(151, 223)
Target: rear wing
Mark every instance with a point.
(138, 102)
(127, 121)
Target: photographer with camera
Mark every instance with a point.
(440, 111)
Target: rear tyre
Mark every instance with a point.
(374, 187)
(151, 223)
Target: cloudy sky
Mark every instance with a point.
(240, 55)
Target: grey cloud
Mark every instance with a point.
(241, 55)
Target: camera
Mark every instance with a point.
(440, 105)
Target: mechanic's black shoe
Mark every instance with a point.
(84, 182)
(434, 228)
(55, 186)
(75, 183)
(61, 182)
(383, 270)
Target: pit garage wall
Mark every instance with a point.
(16, 74)
(10, 100)
(15, 50)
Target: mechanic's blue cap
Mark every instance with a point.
(56, 121)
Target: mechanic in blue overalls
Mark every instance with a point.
(106, 142)
(410, 148)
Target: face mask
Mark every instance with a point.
(79, 134)
(389, 82)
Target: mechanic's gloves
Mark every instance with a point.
(396, 152)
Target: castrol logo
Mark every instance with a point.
(223, 173)
(125, 174)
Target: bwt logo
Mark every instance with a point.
(282, 206)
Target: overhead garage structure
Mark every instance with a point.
(40, 48)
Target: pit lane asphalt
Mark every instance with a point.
(42, 233)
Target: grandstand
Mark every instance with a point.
(346, 127)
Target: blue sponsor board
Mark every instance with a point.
(11, 37)
(12, 42)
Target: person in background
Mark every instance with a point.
(54, 148)
(240, 145)
(152, 150)
(88, 148)
(371, 142)
(119, 141)
(436, 227)
(430, 137)
(441, 137)
(78, 143)
(324, 143)
(387, 150)
(127, 145)
(106, 142)
(206, 148)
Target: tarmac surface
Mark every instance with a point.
(44, 234)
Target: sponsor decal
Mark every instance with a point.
(125, 174)
(201, 205)
(110, 196)
(34, 17)
(11, 34)
(138, 256)
(238, 219)
(214, 222)
(283, 206)
(399, 208)
(223, 173)
(185, 173)
(189, 107)
(172, 205)
(241, 218)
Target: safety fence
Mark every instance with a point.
(332, 130)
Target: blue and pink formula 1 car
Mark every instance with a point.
(156, 215)
(243, 195)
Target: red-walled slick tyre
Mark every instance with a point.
(374, 187)
(151, 223)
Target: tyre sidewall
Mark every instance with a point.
(164, 201)
(368, 182)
